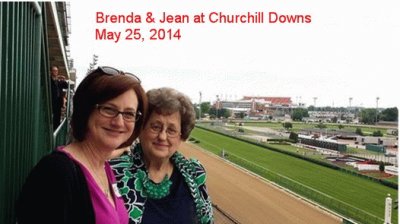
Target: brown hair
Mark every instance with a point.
(168, 101)
(98, 87)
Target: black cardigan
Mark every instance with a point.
(55, 191)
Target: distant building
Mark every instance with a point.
(388, 142)
(329, 116)
(257, 106)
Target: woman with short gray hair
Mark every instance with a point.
(167, 101)
(158, 184)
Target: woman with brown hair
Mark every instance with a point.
(75, 184)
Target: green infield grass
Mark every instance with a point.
(357, 192)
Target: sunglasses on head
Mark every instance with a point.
(113, 71)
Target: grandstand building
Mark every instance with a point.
(256, 106)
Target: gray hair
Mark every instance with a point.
(168, 101)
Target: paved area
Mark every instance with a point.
(249, 199)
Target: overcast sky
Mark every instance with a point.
(350, 49)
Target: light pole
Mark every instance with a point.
(217, 107)
(300, 103)
(315, 101)
(200, 106)
(376, 112)
(349, 115)
(350, 99)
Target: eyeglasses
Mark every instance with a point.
(110, 112)
(113, 71)
(158, 128)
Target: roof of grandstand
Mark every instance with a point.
(273, 100)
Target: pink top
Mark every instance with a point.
(104, 211)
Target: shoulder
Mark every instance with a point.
(191, 166)
(54, 162)
(48, 177)
(56, 157)
(120, 161)
(119, 164)
(54, 174)
(126, 164)
(55, 168)
(55, 185)
(192, 162)
(126, 161)
(195, 175)
(200, 172)
(197, 164)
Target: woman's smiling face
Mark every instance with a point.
(161, 138)
(110, 133)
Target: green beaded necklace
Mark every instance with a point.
(150, 189)
(184, 166)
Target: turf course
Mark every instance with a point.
(360, 193)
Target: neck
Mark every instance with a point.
(92, 154)
(94, 160)
(157, 169)
(157, 164)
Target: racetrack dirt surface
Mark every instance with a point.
(248, 199)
